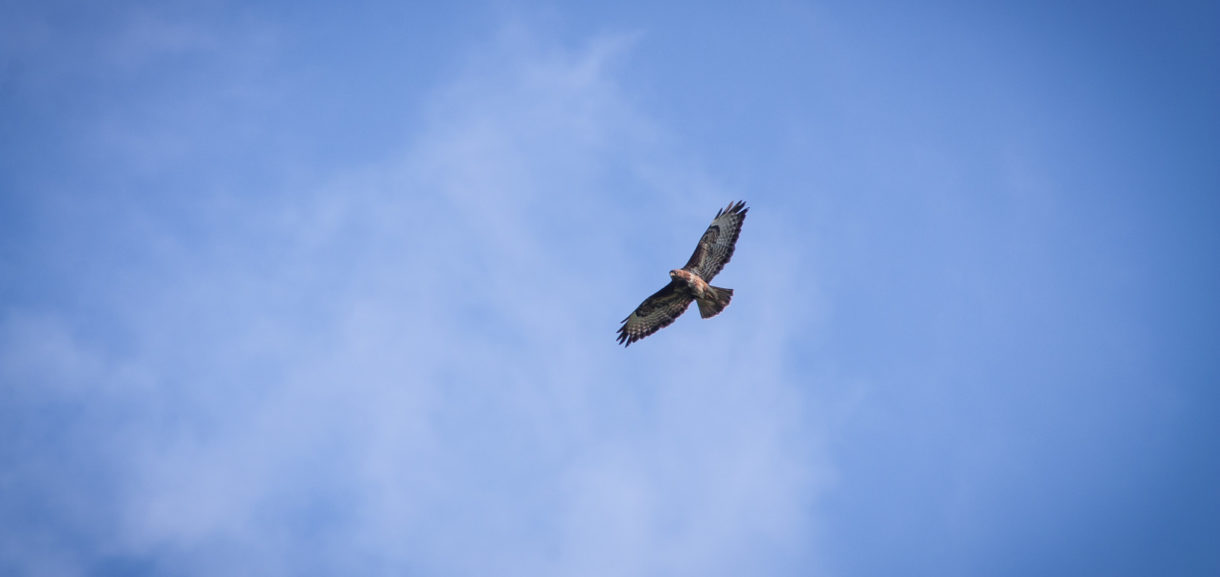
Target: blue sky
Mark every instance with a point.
(297, 289)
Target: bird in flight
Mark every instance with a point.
(690, 283)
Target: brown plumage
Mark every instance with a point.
(690, 283)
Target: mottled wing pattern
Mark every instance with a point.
(655, 313)
(716, 247)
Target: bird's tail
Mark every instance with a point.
(714, 301)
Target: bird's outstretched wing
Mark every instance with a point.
(655, 313)
(716, 247)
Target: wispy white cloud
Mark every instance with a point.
(411, 365)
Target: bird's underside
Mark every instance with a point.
(691, 282)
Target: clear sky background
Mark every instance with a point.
(291, 288)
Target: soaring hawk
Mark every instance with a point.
(690, 283)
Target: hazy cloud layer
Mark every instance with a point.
(410, 365)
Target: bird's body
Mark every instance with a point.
(698, 287)
(690, 283)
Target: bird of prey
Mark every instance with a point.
(690, 283)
